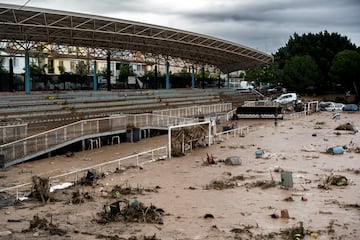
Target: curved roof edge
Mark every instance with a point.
(77, 29)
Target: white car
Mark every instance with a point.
(339, 106)
(331, 106)
(286, 98)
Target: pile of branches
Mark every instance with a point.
(91, 178)
(38, 223)
(126, 189)
(131, 212)
(40, 189)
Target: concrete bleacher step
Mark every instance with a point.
(86, 104)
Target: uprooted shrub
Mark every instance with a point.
(41, 189)
(91, 178)
(38, 223)
(131, 212)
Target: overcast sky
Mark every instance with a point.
(265, 25)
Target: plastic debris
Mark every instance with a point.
(336, 150)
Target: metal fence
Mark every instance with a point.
(46, 141)
(238, 131)
(11, 133)
(196, 110)
(74, 176)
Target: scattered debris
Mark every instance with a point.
(336, 150)
(126, 189)
(79, 197)
(209, 159)
(304, 199)
(284, 213)
(336, 116)
(69, 154)
(38, 223)
(295, 233)
(40, 189)
(288, 199)
(5, 233)
(259, 153)
(352, 205)
(131, 212)
(234, 160)
(336, 180)
(6, 199)
(244, 230)
(277, 169)
(91, 178)
(286, 179)
(220, 184)
(263, 184)
(346, 127)
(323, 212)
(208, 215)
(116, 237)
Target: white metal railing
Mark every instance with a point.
(309, 108)
(239, 131)
(73, 176)
(14, 132)
(261, 103)
(196, 110)
(77, 131)
(295, 115)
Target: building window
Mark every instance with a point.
(72, 66)
(50, 66)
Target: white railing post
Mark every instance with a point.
(46, 141)
(25, 150)
(65, 137)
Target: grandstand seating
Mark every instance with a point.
(72, 106)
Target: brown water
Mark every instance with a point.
(332, 214)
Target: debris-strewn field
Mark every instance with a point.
(297, 180)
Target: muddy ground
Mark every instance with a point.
(202, 201)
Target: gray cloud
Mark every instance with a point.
(263, 24)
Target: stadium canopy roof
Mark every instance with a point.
(29, 24)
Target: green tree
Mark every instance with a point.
(126, 70)
(301, 72)
(37, 70)
(322, 47)
(269, 73)
(82, 70)
(346, 69)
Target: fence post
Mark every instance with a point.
(46, 141)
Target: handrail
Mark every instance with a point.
(28, 147)
(152, 151)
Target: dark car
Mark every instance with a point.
(350, 108)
